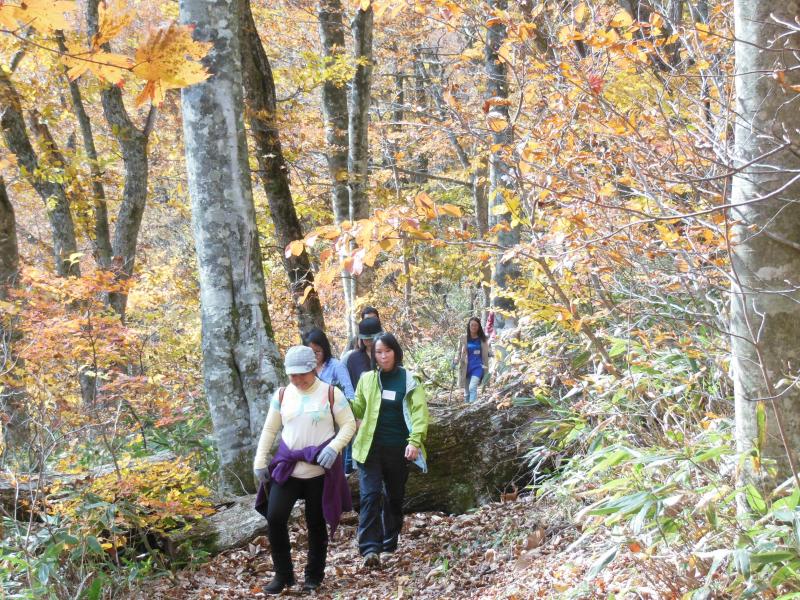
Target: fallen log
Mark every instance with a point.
(475, 452)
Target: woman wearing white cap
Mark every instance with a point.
(306, 465)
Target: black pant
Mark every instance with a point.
(382, 479)
(281, 502)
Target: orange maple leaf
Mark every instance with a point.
(169, 59)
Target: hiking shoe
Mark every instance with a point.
(311, 584)
(372, 561)
(277, 585)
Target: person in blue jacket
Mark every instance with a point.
(329, 369)
(473, 359)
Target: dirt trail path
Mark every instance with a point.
(513, 550)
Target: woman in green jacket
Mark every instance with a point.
(390, 401)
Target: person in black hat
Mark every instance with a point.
(358, 362)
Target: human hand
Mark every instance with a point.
(262, 474)
(326, 457)
(412, 452)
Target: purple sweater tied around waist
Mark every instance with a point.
(335, 491)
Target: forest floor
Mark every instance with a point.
(517, 549)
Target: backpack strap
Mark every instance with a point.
(282, 390)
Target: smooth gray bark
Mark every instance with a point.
(262, 104)
(500, 176)
(334, 107)
(133, 144)
(52, 193)
(241, 366)
(765, 236)
(337, 141)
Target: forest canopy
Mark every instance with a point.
(609, 186)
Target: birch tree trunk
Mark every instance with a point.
(241, 366)
(133, 144)
(335, 116)
(765, 236)
(259, 88)
(52, 193)
(500, 177)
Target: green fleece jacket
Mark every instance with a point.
(367, 404)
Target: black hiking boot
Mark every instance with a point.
(311, 584)
(278, 584)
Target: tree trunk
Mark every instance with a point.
(9, 252)
(259, 89)
(358, 154)
(500, 177)
(51, 192)
(335, 115)
(334, 107)
(102, 237)
(133, 144)
(765, 308)
(241, 366)
(421, 84)
(12, 397)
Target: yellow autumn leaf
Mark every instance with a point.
(500, 210)
(372, 254)
(505, 52)
(364, 4)
(8, 16)
(621, 19)
(295, 248)
(424, 202)
(656, 20)
(306, 293)
(106, 66)
(580, 12)
(42, 15)
(111, 21)
(667, 235)
(497, 122)
(450, 209)
(169, 59)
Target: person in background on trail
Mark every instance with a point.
(473, 359)
(391, 403)
(353, 342)
(369, 312)
(329, 369)
(358, 362)
(306, 465)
